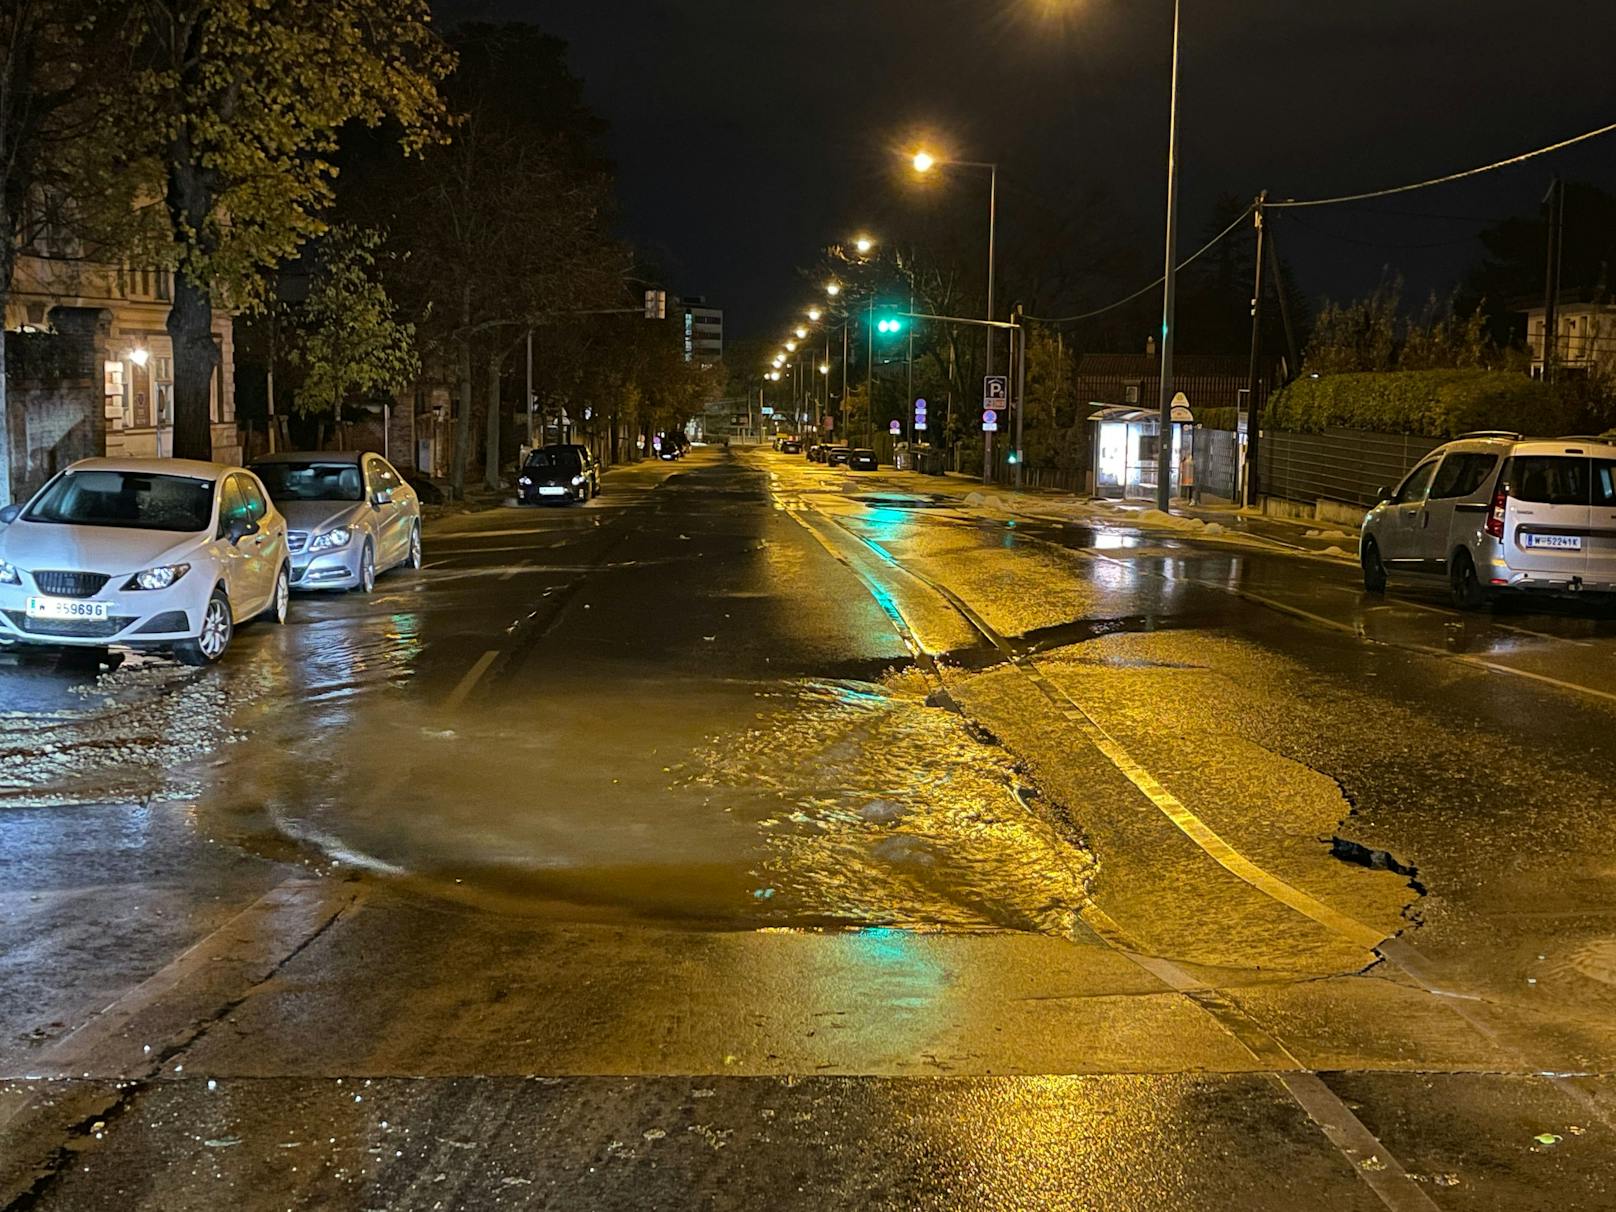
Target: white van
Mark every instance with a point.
(1495, 513)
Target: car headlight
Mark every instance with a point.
(9, 574)
(524, 481)
(330, 540)
(157, 578)
(577, 480)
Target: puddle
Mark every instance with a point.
(806, 804)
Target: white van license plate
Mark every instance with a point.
(1555, 542)
(66, 608)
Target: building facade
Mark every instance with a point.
(703, 331)
(108, 386)
(1585, 336)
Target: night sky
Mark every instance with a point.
(748, 133)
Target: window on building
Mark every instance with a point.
(1130, 394)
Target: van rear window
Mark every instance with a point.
(1550, 479)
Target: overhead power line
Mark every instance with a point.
(1100, 311)
(1459, 176)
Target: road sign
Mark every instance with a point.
(995, 391)
(920, 408)
(990, 421)
(920, 422)
(768, 411)
(895, 428)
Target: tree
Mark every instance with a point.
(239, 104)
(61, 194)
(505, 227)
(347, 341)
(1511, 273)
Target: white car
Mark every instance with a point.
(143, 553)
(1495, 513)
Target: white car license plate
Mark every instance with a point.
(1555, 542)
(66, 608)
(552, 490)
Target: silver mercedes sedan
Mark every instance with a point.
(350, 516)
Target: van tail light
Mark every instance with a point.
(1495, 516)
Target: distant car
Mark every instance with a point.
(812, 452)
(862, 460)
(169, 554)
(838, 456)
(558, 474)
(1493, 513)
(791, 446)
(351, 515)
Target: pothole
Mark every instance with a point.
(1360, 855)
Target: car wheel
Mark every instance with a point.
(1468, 591)
(1374, 569)
(214, 637)
(413, 559)
(367, 569)
(280, 603)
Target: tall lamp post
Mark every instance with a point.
(924, 162)
(1164, 440)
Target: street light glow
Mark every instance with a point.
(791, 347)
(814, 313)
(138, 356)
(801, 332)
(833, 289)
(924, 162)
(824, 368)
(864, 244)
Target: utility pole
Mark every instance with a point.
(532, 444)
(869, 375)
(1018, 340)
(910, 360)
(1555, 201)
(1164, 439)
(1253, 407)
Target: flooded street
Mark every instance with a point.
(756, 807)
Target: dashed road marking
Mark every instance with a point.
(468, 683)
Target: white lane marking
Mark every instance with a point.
(468, 683)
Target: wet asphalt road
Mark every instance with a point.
(763, 835)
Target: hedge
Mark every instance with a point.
(1428, 404)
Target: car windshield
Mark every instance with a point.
(136, 500)
(558, 460)
(312, 481)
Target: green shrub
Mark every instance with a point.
(1428, 403)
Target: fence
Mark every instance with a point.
(1345, 465)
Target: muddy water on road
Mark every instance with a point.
(717, 805)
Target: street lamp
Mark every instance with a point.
(791, 347)
(864, 244)
(1164, 439)
(833, 289)
(800, 331)
(814, 313)
(924, 162)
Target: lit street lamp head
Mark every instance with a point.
(801, 332)
(814, 313)
(863, 244)
(824, 368)
(833, 289)
(924, 162)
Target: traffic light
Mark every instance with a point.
(890, 324)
